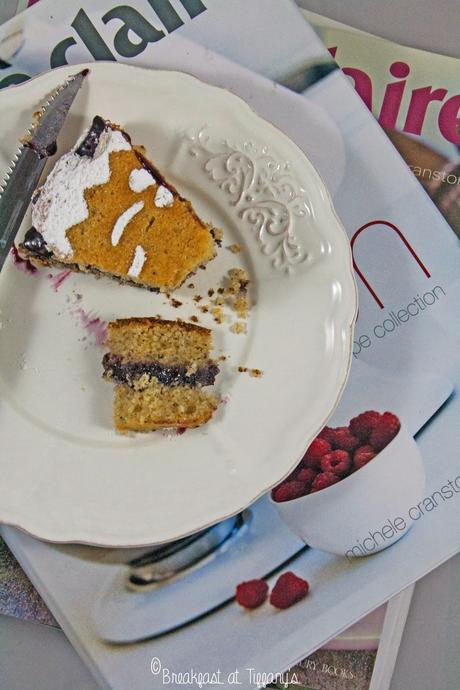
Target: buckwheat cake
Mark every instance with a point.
(106, 209)
(160, 369)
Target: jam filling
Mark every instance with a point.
(42, 151)
(35, 243)
(89, 144)
(168, 375)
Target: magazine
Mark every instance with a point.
(415, 96)
(355, 659)
(402, 362)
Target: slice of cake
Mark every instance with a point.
(104, 208)
(160, 369)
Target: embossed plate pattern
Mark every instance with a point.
(66, 476)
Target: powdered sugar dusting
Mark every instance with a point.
(61, 203)
(163, 197)
(140, 179)
(123, 221)
(138, 262)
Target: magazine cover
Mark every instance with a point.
(415, 96)
(346, 661)
(398, 506)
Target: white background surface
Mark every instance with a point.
(426, 24)
(428, 656)
(33, 657)
(36, 657)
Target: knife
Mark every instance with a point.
(25, 169)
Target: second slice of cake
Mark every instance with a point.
(160, 369)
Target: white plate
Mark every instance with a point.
(66, 476)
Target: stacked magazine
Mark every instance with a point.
(405, 349)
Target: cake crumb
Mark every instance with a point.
(234, 248)
(192, 369)
(141, 383)
(238, 327)
(175, 303)
(191, 286)
(255, 373)
(236, 292)
(222, 358)
(241, 306)
(210, 292)
(220, 290)
(197, 298)
(218, 314)
(194, 319)
(204, 309)
(218, 301)
(238, 281)
(218, 235)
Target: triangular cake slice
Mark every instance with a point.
(104, 208)
(160, 369)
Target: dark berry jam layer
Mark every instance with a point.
(35, 244)
(90, 142)
(42, 151)
(128, 372)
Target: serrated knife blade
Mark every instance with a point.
(25, 169)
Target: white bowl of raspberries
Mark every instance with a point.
(352, 491)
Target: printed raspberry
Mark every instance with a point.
(323, 480)
(288, 590)
(326, 434)
(338, 462)
(287, 491)
(343, 439)
(252, 593)
(317, 448)
(362, 456)
(307, 475)
(384, 431)
(363, 425)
